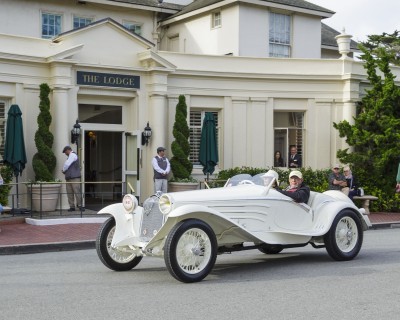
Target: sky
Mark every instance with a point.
(362, 17)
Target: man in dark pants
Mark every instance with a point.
(72, 172)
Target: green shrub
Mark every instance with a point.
(8, 174)
(44, 161)
(181, 166)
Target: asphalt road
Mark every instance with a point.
(299, 283)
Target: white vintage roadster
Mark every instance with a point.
(189, 229)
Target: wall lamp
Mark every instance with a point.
(76, 132)
(146, 134)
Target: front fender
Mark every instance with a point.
(126, 225)
(225, 229)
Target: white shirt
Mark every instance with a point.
(71, 158)
(157, 167)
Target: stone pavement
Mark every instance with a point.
(27, 235)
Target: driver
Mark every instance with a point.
(296, 190)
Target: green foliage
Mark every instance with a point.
(389, 42)
(180, 164)
(44, 161)
(8, 174)
(375, 134)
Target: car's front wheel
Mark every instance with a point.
(190, 250)
(119, 258)
(344, 239)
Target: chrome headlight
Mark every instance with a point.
(165, 204)
(130, 203)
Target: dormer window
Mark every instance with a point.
(279, 35)
(216, 20)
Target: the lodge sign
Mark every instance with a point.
(107, 80)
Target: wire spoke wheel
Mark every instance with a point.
(344, 239)
(193, 251)
(116, 258)
(190, 250)
(346, 234)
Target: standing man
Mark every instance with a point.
(161, 168)
(72, 172)
(294, 158)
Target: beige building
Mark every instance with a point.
(116, 66)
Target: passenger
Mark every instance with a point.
(296, 190)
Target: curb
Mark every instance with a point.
(385, 225)
(47, 247)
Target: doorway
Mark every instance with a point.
(102, 168)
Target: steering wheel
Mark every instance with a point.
(246, 182)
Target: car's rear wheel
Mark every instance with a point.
(270, 248)
(344, 239)
(119, 258)
(190, 250)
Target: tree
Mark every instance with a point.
(389, 42)
(180, 164)
(44, 161)
(375, 134)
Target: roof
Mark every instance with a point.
(328, 35)
(99, 22)
(198, 4)
(151, 3)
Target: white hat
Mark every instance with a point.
(296, 173)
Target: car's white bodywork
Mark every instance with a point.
(245, 213)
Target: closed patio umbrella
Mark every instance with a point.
(14, 149)
(208, 155)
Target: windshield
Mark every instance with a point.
(266, 179)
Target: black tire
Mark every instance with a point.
(345, 237)
(271, 249)
(190, 250)
(118, 259)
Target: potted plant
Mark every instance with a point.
(45, 190)
(181, 166)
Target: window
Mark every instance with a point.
(133, 27)
(51, 25)
(196, 122)
(216, 19)
(279, 35)
(289, 132)
(80, 22)
(2, 129)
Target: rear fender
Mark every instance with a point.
(127, 225)
(327, 213)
